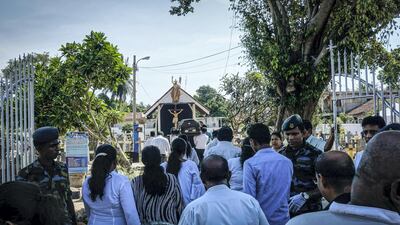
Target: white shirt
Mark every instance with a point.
(200, 141)
(194, 157)
(189, 180)
(212, 143)
(357, 158)
(148, 141)
(316, 142)
(163, 145)
(225, 149)
(117, 206)
(236, 181)
(348, 214)
(220, 205)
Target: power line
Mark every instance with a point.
(192, 72)
(200, 65)
(230, 41)
(193, 60)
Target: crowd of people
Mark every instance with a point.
(210, 181)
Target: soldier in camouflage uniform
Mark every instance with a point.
(51, 176)
(305, 196)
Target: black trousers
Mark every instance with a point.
(200, 154)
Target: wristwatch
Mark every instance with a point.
(305, 195)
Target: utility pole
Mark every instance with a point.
(135, 133)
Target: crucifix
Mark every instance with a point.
(175, 119)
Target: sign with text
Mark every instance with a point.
(77, 152)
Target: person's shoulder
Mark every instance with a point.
(313, 218)
(234, 162)
(310, 149)
(197, 203)
(117, 176)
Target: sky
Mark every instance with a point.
(137, 27)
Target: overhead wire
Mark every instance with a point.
(190, 61)
(191, 72)
(230, 41)
(199, 65)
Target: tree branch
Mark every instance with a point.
(316, 26)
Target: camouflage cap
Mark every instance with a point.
(292, 122)
(44, 135)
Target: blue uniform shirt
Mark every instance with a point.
(267, 177)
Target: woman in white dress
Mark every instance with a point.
(107, 195)
(185, 170)
(236, 166)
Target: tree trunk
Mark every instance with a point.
(306, 111)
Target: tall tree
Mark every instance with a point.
(66, 87)
(287, 40)
(249, 101)
(211, 99)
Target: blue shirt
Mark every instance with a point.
(236, 181)
(221, 205)
(267, 177)
(117, 207)
(189, 180)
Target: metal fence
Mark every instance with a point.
(354, 79)
(17, 117)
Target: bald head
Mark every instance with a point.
(214, 169)
(377, 182)
(381, 159)
(337, 168)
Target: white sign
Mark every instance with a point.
(77, 152)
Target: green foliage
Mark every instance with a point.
(210, 98)
(65, 87)
(249, 101)
(287, 41)
(127, 127)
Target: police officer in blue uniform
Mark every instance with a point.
(304, 194)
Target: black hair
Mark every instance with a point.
(178, 148)
(247, 151)
(260, 133)
(203, 130)
(154, 179)
(337, 168)
(152, 133)
(278, 134)
(24, 203)
(174, 131)
(189, 147)
(106, 155)
(307, 125)
(214, 168)
(215, 133)
(225, 134)
(373, 120)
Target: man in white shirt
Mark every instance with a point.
(200, 142)
(163, 145)
(150, 139)
(370, 126)
(375, 193)
(221, 205)
(214, 140)
(225, 147)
